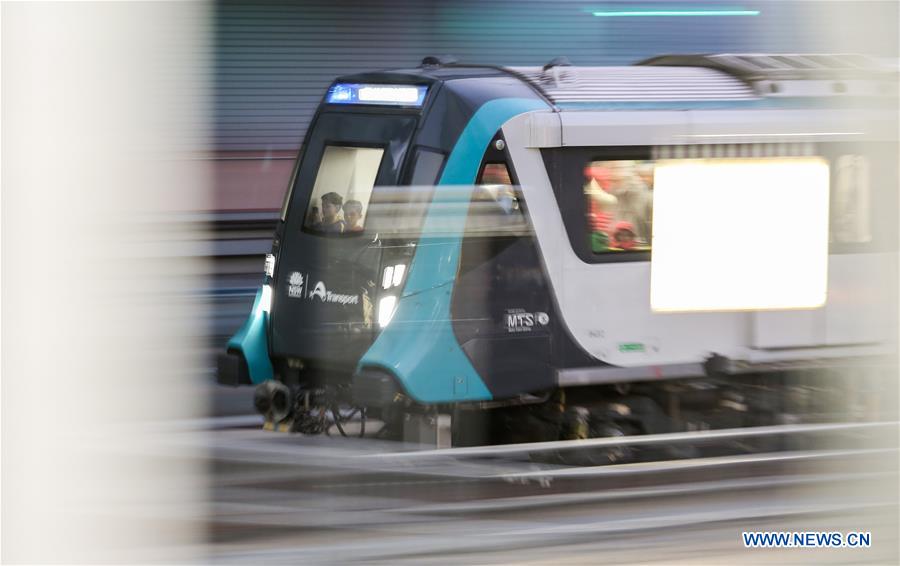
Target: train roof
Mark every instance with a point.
(602, 84)
(674, 78)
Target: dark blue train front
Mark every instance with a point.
(398, 292)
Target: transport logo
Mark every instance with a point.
(519, 320)
(297, 286)
(319, 291)
(327, 296)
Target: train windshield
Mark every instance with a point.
(343, 187)
(346, 156)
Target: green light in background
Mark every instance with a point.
(667, 13)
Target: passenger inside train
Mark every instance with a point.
(353, 216)
(619, 205)
(623, 237)
(331, 214)
(343, 186)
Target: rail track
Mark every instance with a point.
(286, 498)
(679, 497)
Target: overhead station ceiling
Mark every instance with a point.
(274, 60)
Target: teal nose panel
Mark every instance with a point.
(418, 346)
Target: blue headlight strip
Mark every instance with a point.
(377, 94)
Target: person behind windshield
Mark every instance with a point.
(331, 209)
(313, 218)
(353, 216)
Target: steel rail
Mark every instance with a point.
(519, 503)
(691, 464)
(690, 437)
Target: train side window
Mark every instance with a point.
(494, 174)
(343, 187)
(495, 207)
(427, 168)
(850, 205)
(619, 205)
(495, 184)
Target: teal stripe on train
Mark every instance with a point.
(251, 340)
(418, 346)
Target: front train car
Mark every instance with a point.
(562, 252)
(348, 254)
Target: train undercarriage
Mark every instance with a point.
(604, 411)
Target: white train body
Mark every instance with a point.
(608, 304)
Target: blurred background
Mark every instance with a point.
(273, 62)
(146, 149)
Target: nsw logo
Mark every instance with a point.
(295, 285)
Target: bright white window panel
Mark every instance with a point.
(739, 234)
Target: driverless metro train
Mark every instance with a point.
(560, 252)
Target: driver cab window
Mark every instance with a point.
(343, 187)
(496, 206)
(495, 184)
(494, 174)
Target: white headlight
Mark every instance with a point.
(265, 299)
(393, 276)
(387, 278)
(399, 270)
(270, 265)
(386, 310)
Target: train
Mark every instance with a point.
(543, 253)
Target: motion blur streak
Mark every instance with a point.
(101, 102)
